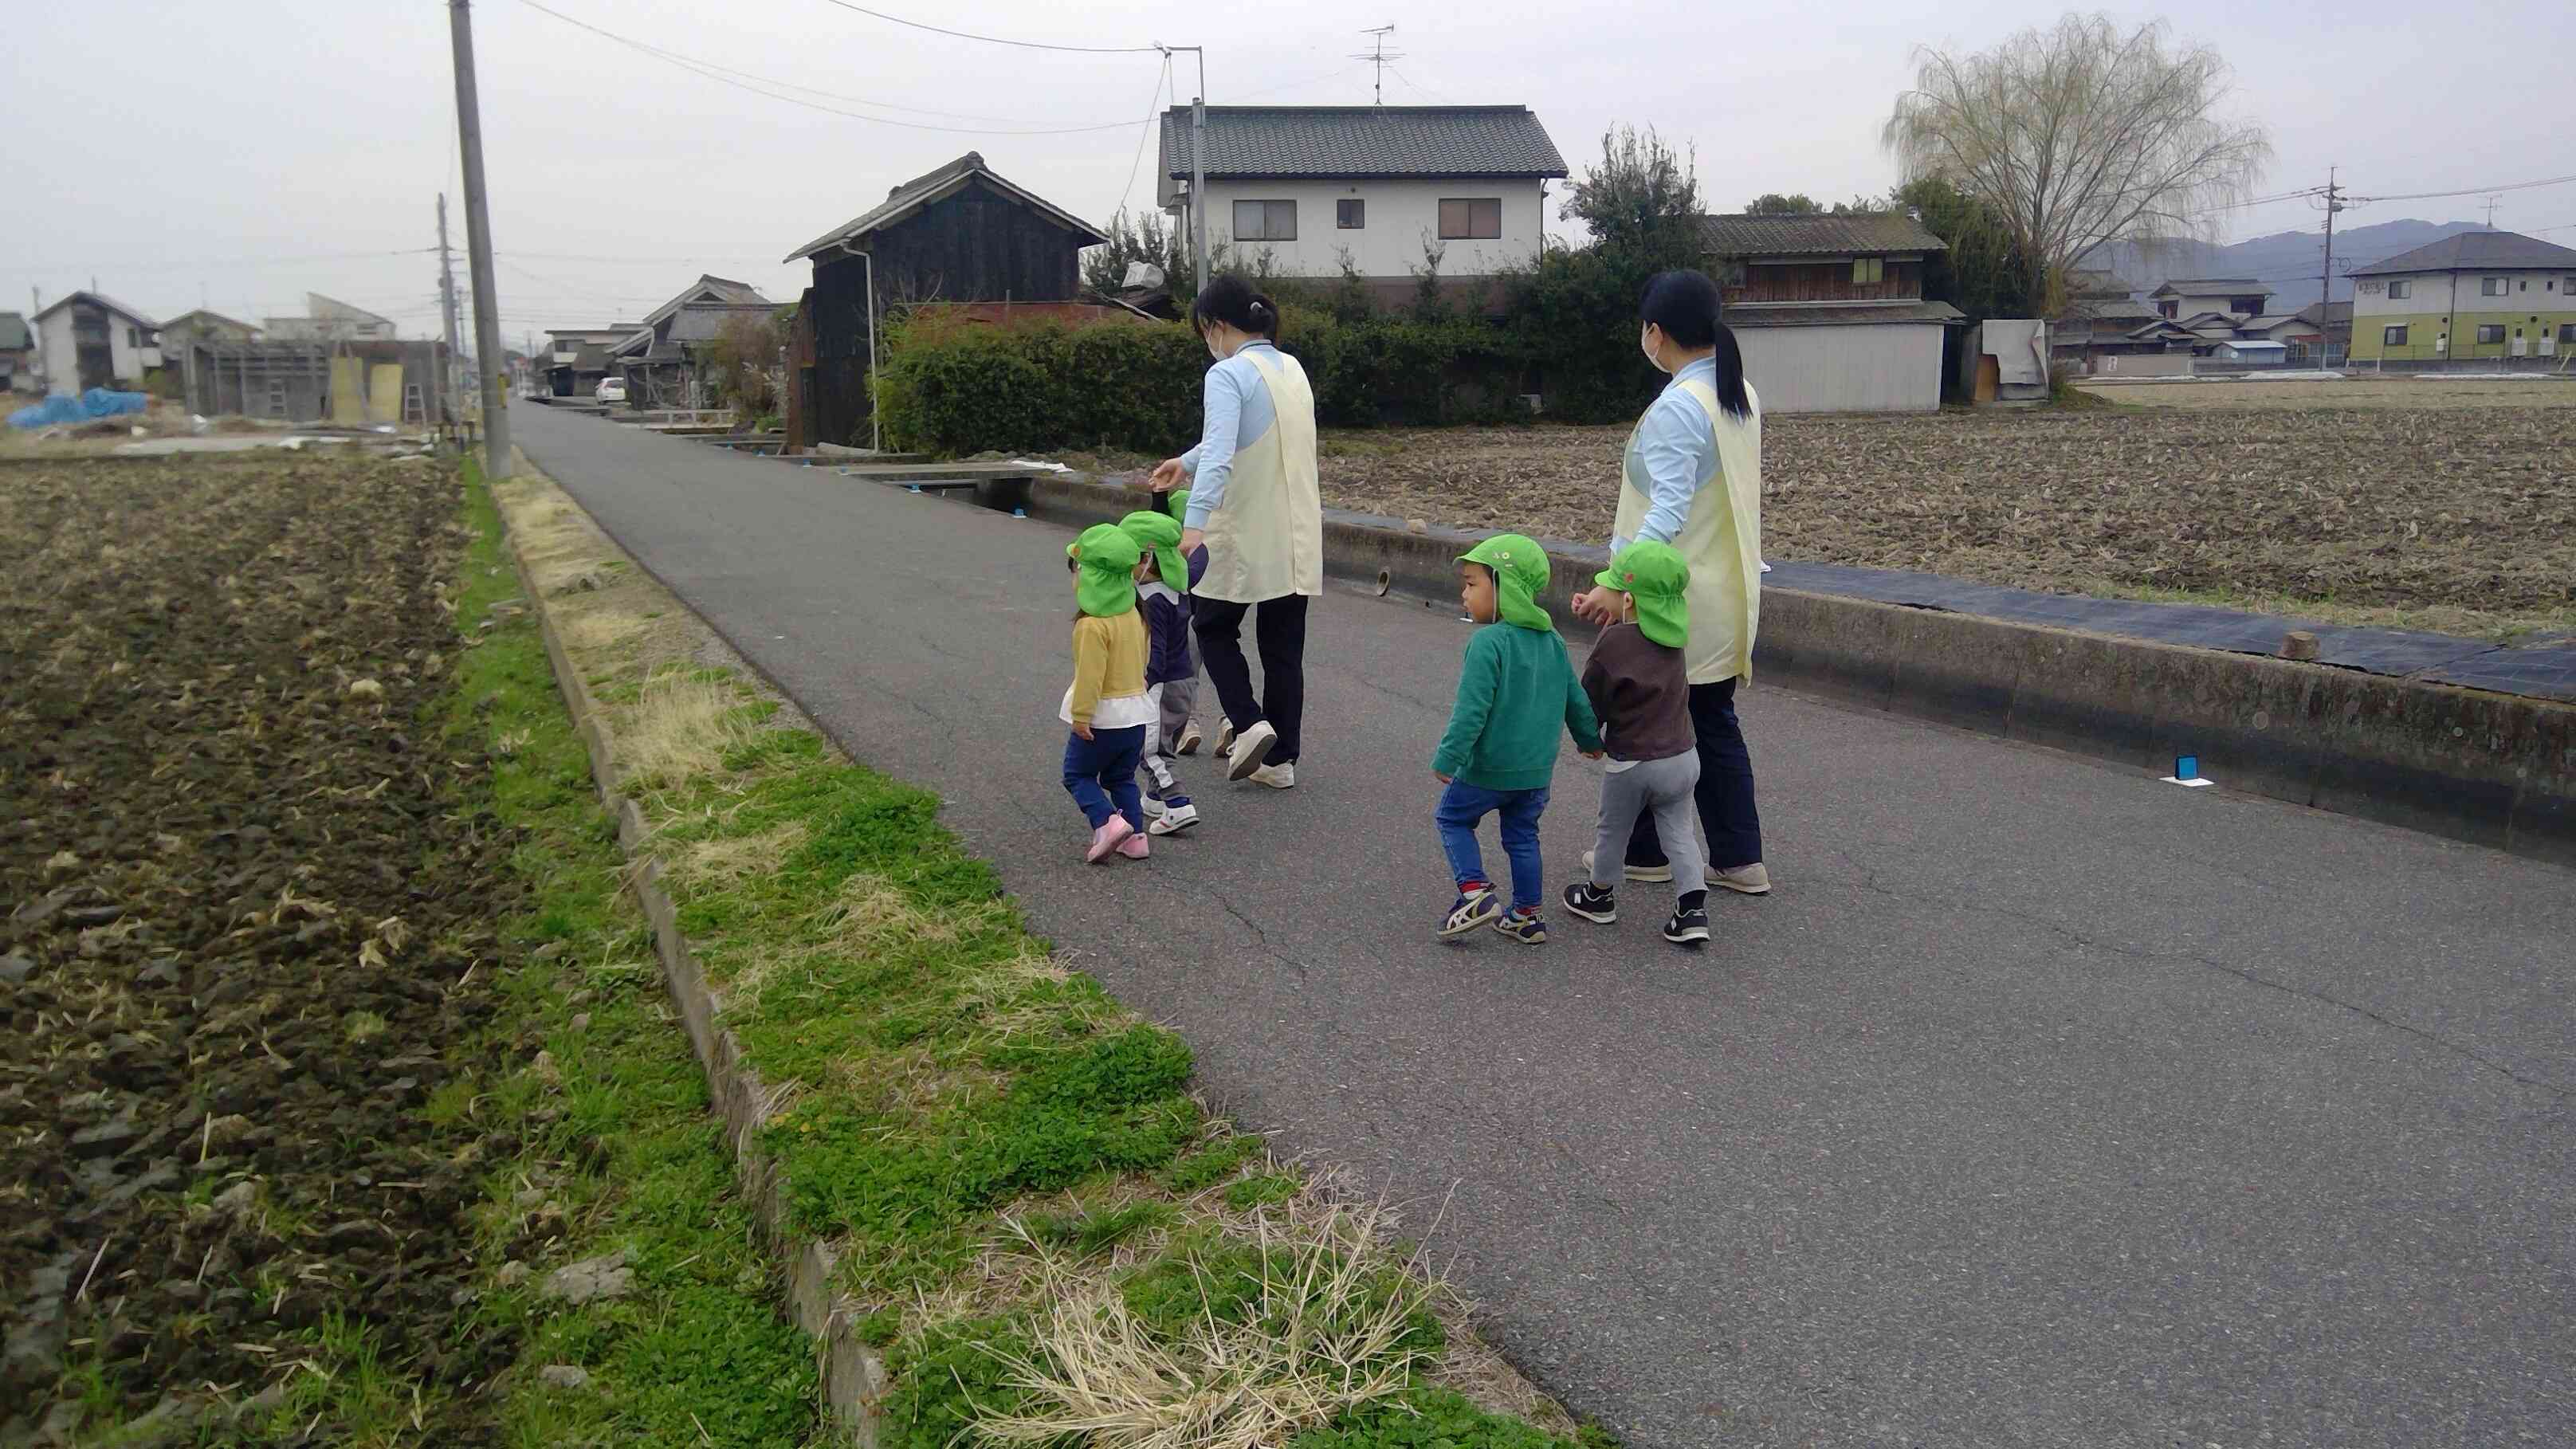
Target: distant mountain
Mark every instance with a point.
(2288, 262)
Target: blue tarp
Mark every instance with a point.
(98, 402)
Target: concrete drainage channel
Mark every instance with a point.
(2474, 765)
(853, 1377)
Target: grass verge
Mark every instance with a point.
(1043, 1232)
(609, 1147)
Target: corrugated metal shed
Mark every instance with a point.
(1861, 368)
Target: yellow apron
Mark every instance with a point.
(1266, 541)
(1721, 539)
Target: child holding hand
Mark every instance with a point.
(1639, 685)
(1106, 705)
(1171, 671)
(1515, 691)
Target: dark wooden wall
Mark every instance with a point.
(1826, 282)
(975, 246)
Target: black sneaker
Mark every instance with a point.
(1689, 925)
(1528, 929)
(1592, 902)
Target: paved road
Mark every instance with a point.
(2043, 1104)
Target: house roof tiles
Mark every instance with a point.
(902, 201)
(1363, 141)
(2476, 249)
(1744, 235)
(1844, 314)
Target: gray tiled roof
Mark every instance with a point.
(1742, 235)
(2208, 286)
(1363, 141)
(701, 321)
(1831, 314)
(2476, 249)
(921, 190)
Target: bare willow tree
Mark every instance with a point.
(2080, 135)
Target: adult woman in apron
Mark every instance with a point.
(1257, 505)
(1692, 478)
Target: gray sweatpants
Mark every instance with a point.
(1179, 698)
(1663, 788)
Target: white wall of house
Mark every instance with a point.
(1400, 218)
(2534, 289)
(131, 351)
(1876, 368)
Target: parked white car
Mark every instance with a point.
(611, 390)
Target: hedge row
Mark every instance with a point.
(1569, 335)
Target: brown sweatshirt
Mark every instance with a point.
(1641, 691)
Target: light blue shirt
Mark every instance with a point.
(1679, 453)
(1239, 414)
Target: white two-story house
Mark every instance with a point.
(1377, 191)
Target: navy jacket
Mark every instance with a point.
(1167, 631)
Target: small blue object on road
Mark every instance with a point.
(2186, 767)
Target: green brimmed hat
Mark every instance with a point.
(1520, 576)
(1175, 502)
(1655, 575)
(1160, 535)
(1107, 559)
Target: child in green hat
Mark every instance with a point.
(1106, 705)
(1639, 684)
(1171, 670)
(1516, 690)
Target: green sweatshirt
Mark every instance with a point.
(1515, 691)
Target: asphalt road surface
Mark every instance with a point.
(2043, 1104)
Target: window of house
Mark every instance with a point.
(133, 336)
(2392, 337)
(2400, 291)
(276, 397)
(2567, 331)
(1265, 221)
(1471, 218)
(2493, 287)
(1868, 271)
(2491, 332)
(2166, 309)
(1350, 215)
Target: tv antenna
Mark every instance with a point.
(2492, 203)
(1381, 57)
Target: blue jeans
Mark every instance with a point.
(1101, 773)
(1463, 805)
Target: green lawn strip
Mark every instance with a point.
(982, 1135)
(613, 1146)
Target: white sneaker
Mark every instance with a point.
(1277, 777)
(1188, 744)
(1154, 809)
(1173, 821)
(1224, 735)
(1633, 872)
(1251, 751)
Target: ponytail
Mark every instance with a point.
(1686, 305)
(1231, 300)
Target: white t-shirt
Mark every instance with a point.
(1124, 712)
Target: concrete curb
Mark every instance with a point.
(2492, 769)
(853, 1376)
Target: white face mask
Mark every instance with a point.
(1646, 345)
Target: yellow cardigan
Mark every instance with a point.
(1108, 661)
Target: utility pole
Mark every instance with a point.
(1198, 168)
(490, 352)
(1379, 57)
(2325, 308)
(447, 385)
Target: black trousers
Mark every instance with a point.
(1279, 633)
(1725, 791)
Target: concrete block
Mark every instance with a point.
(1956, 669)
(2437, 758)
(2079, 692)
(2246, 718)
(1816, 644)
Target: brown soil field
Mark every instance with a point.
(2352, 392)
(250, 930)
(2458, 519)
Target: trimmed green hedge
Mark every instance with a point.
(949, 388)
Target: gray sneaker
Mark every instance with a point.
(1637, 872)
(1744, 880)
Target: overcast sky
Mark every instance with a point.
(238, 154)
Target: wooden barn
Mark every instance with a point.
(959, 234)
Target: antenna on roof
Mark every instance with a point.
(1379, 57)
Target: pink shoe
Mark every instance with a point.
(1134, 847)
(1106, 838)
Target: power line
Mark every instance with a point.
(758, 86)
(2472, 190)
(995, 39)
(239, 262)
(1153, 110)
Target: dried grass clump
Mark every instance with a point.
(1323, 1336)
(680, 728)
